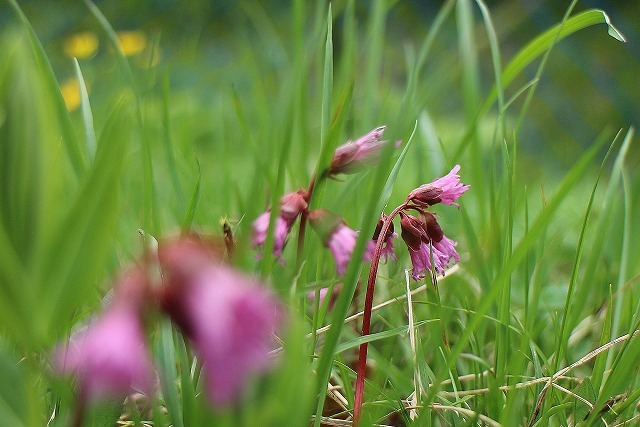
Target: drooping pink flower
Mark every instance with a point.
(341, 243)
(426, 241)
(365, 151)
(260, 228)
(387, 248)
(228, 317)
(444, 190)
(291, 206)
(341, 240)
(109, 358)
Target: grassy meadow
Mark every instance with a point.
(124, 124)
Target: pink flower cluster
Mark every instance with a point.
(429, 248)
(292, 205)
(349, 158)
(228, 317)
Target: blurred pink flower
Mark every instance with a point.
(444, 190)
(228, 317)
(341, 243)
(109, 358)
(365, 151)
(341, 240)
(291, 205)
(260, 228)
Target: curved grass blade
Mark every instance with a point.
(541, 44)
(87, 115)
(150, 211)
(69, 137)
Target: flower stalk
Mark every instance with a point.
(361, 368)
(429, 248)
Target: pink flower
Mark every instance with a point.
(352, 156)
(228, 317)
(341, 240)
(260, 228)
(110, 357)
(444, 190)
(291, 205)
(341, 243)
(387, 248)
(425, 241)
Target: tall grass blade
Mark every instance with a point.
(87, 116)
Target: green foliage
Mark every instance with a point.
(534, 326)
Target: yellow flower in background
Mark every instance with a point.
(132, 42)
(80, 45)
(71, 93)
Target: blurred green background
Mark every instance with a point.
(591, 82)
(213, 96)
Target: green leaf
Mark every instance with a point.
(46, 71)
(540, 44)
(166, 357)
(87, 115)
(379, 336)
(12, 390)
(80, 244)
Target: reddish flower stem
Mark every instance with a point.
(361, 369)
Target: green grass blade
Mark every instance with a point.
(566, 327)
(166, 358)
(541, 44)
(168, 144)
(327, 91)
(69, 137)
(604, 222)
(628, 232)
(468, 56)
(531, 52)
(150, 219)
(87, 116)
(379, 336)
(187, 222)
(80, 243)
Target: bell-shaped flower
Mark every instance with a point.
(109, 358)
(341, 244)
(444, 190)
(291, 206)
(426, 243)
(336, 235)
(354, 155)
(228, 317)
